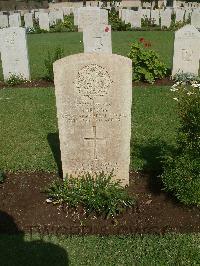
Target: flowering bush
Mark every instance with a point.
(116, 23)
(181, 174)
(147, 65)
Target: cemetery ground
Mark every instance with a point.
(40, 44)
(30, 158)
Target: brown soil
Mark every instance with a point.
(29, 84)
(159, 82)
(45, 84)
(23, 208)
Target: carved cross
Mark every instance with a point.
(94, 138)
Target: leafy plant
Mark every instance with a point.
(99, 194)
(64, 26)
(188, 78)
(48, 62)
(15, 79)
(147, 65)
(181, 174)
(116, 23)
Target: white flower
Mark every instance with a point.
(194, 85)
(176, 99)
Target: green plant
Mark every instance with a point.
(116, 23)
(64, 26)
(181, 174)
(15, 79)
(50, 59)
(95, 193)
(188, 78)
(147, 65)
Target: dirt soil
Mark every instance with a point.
(45, 84)
(23, 208)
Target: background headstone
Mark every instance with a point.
(14, 54)
(28, 19)
(93, 99)
(15, 20)
(44, 21)
(3, 21)
(97, 39)
(186, 50)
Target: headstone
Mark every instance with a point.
(97, 39)
(186, 50)
(14, 54)
(75, 12)
(28, 19)
(155, 16)
(15, 20)
(180, 15)
(66, 11)
(44, 21)
(93, 99)
(135, 19)
(166, 18)
(3, 21)
(55, 16)
(91, 15)
(195, 19)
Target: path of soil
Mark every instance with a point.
(46, 84)
(23, 208)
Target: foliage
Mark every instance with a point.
(64, 26)
(147, 65)
(182, 170)
(50, 59)
(148, 22)
(116, 23)
(15, 79)
(188, 78)
(99, 194)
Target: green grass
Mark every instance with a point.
(71, 42)
(29, 128)
(131, 250)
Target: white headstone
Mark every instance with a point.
(93, 99)
(97, 39)
(44, 21)
(91, 15)
(3, 21)
(186, 50)
(55, 16)
(166, 18)
(15, 20)
(28, 19)
(135, 19)
(180, 14)
(14, 54)
(195, 19)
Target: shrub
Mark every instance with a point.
(188, 78)
(99, 194)
(64, 26)
(48, 62)
(181, 174)
(116, 23)
(15, 79)
(147, 65)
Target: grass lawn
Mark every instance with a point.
(131, 250)
(29, 131)
(40, 44)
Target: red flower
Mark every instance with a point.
(107, 29)
(146, 44)
(141, 39)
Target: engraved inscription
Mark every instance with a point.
(187, 55)
(93, 81)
